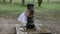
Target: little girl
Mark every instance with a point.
(26, 19)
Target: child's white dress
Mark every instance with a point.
(23, 19)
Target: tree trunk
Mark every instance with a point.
(48, 1)
(39, 2)
(10, 1)
(33, 0)
(23, 1)
(4, 1)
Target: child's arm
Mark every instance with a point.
(22, 20)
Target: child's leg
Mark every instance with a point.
(23, 32)
(21, 28)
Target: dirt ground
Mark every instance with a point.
(7, 25)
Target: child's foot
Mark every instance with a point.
(21, 29)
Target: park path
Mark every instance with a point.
(7, 25)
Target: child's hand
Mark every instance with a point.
(21, 25)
